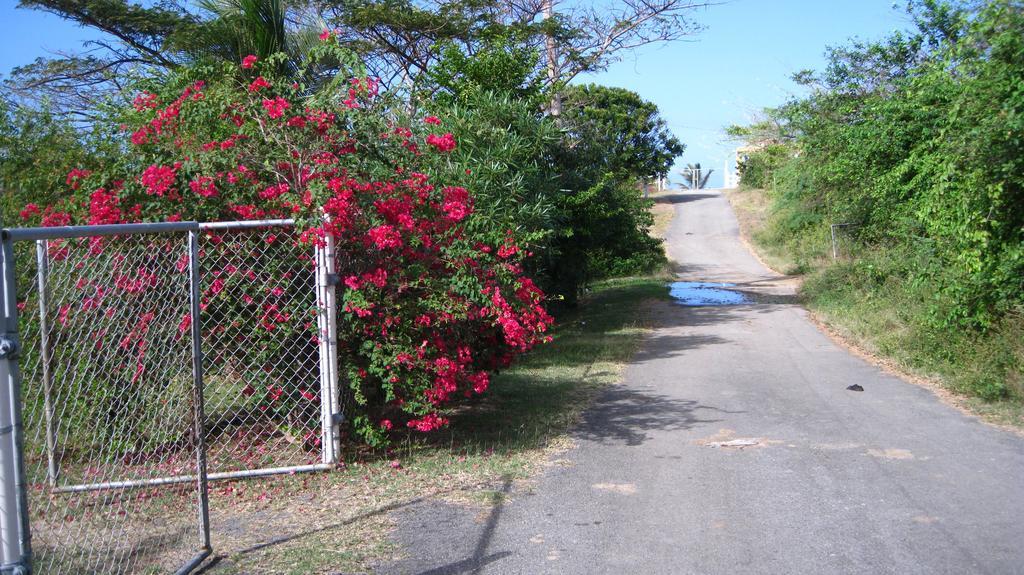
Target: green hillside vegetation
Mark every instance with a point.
(916, 144)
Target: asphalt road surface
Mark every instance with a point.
(733, 446)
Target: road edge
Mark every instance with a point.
(847, 342)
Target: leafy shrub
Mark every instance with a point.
(759, 167)
(915, 140)
(433, 296)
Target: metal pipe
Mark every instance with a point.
(197, 379)
(156, 481)
(194, 562)
(15, 535)
(21, 234)
(321, 331)
(247, 224)
(330, 420)
(332, 347)
(46, 360)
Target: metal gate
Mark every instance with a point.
(135, 357)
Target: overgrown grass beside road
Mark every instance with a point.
(864, 298)
(907, 150)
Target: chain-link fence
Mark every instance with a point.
(842, 239)
(261, 348)
(150, 358)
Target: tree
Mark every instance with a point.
(137, 39)
(432, 296)
(612, 140)
(399, 40)
(142, 41)
(695, 177)
(402, 39)
(614, 130)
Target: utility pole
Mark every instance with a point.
(555, 107)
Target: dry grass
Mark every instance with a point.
(663, 214)
(751, 207)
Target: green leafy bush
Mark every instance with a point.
(915, 141)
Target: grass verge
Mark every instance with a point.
(864, 302)
(338, 522)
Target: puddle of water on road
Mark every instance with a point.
(705, 293)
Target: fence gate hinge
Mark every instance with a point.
(333, 279)
(8, 350)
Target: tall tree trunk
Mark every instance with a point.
(555, 107)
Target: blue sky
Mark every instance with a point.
(738, 65)
(741, 63)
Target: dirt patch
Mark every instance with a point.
(726, 439)
(890, 453)
(620, 488)
(663, 214)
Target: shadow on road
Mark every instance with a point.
(681, 198)
(480, 558)
(626, 416)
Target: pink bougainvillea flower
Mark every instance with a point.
(204, 186)
(158, 179)
(326, 35)
(249, 61)
(433, 120)
(144, 101)
(53, 218)
(445, 143)
(456, 203)
(428, 422)
(384, 237)
(103, 208)
(507, 250)
(140, 136)
(75, 177)
(258, 84)
(275, 108)
(185, 324)
(28, 211)
(275, 191)
(378, 277)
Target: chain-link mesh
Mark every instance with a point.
(109, 399)
(260, 346)
(109, 394)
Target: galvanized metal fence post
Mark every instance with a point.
(199, 412)
(45, 360)
(330, 414)
(15, 545)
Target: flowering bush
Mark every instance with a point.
(428, 305)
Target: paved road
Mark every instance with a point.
(734, 447)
